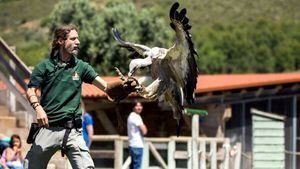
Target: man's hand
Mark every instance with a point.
(41, 116)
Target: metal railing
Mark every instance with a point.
(213, 152)
(13, 73)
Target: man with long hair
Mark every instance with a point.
(58, 112)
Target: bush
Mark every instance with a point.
(251, 47)
(97, 44)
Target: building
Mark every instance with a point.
(228, 100)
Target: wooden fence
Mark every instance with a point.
(213, 152)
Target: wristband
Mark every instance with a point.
(35, 106)
(32, 104)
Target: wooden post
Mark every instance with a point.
(237, 160)
(145, 161)
(226, 154)
(202, 154)
(118, 154)
(213, 158)
(195, 135)
(189, 152)
(171, 150)
(293, 139)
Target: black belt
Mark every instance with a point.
(67, 123)
(75, 123)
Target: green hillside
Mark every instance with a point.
(20, 26)
(21, 21)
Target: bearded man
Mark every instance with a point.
(58, 112)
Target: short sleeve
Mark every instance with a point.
(88, 120)
(137, 120)
(36, 77)
(88, 74)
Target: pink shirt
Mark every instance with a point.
(3, 157)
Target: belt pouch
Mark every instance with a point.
(34, 130)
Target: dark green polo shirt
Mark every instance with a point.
(61, 86)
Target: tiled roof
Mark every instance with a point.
(219, 82)
(208, 83)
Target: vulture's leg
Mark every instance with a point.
(145, 80)
(160, 90)
(150, 92)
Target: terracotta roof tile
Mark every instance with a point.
(220, 82)
(207, 83)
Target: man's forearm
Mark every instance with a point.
(41, 115)
(100, 83)
(32, 97)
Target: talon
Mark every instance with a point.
(153, 97)
(122, 77)
(141, 90)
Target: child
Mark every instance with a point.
(12, 157)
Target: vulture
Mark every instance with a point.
(173, 71)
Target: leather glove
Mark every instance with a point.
(118, 90)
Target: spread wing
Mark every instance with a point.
(182, 54)
(136, 49)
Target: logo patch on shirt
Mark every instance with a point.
(75, 76)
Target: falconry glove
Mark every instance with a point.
(118, 90)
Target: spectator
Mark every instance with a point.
(87, 126)
(136, 129)
(12, 156)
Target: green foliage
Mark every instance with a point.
(97, 44)
(19, 27)
(33, 53)
(260, 46)
(232, 36)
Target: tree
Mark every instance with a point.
(97, 44)
(253, 45)
(258, 46)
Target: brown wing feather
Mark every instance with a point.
(183, 52)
